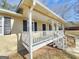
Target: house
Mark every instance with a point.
(34, 24)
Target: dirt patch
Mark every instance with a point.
(49, 53)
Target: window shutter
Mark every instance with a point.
(7, 25)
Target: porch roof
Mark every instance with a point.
(39, 7)
(8, 13)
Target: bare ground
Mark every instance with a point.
(46, 53)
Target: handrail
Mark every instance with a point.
(41, 36)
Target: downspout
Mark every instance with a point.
(30, 30)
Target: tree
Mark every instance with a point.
(6, 5)
(76, 10)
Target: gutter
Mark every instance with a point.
(21, 1)
(50, 11)
(9, 13)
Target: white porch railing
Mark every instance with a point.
(60, 32)
(40, 37)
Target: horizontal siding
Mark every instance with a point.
(0, 25)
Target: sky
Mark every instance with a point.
(14, 1)
(63, 8)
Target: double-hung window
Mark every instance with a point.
(34, 26)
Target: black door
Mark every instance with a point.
(44, 27)
(24, 25)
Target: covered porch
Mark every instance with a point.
(37, 36)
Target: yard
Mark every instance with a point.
(8, 46)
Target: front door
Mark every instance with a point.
(44, 29)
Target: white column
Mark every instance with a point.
(63, 29)
(2, 25)
(66, 41)
(30, 34)
(53, 28)
(76, 39)
(57, 26)
(63, 43)
(30, 31)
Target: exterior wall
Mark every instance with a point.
(25, 11)
(16, 26)
(39, 25)
(15, 36)
(17, 29)
(1, 25)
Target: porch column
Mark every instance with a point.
(63, 43)
(63, 29)
(30, 34)
(66, 42)
(57, 26)
(30, 31)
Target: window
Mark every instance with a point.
(7, 25)
(50, 27)
(34, 26)
(24, 25)
(44, 27)
(60, 27)
(55, 26)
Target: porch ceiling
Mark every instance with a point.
(47, 12)
(43, 10)
(41, 17)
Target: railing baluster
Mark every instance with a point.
(41, 36)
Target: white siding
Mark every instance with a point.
(1, 25)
